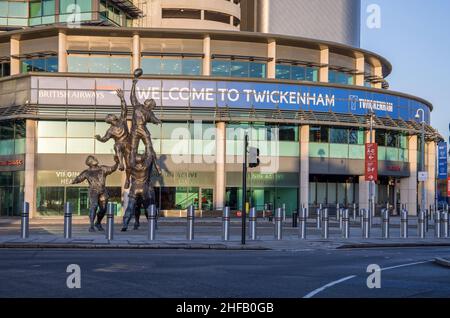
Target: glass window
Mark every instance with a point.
(338, 135)
(51, 145)
(356, 136)
(18, 9)
(288, 133)
(6, 147)
(52, 129)
(6, 130)
(78, 64)
(80, 129)
(192, 67)
(170, 66)
(312, 74)
(380, 137)
(151, 65)
(392, 139)
(283, 71)
(35, 8)
(85, 5)
(318, 134)
(120, 65)
(48, 7)
(221, 68)
(239, 69)
(50, 200)
(99, 64)
(258, 70)
(298, 73)
(80, 145)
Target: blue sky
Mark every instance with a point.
(415, 37)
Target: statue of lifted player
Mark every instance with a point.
(98, 195)
(142, 114)
(141, 193)
(121, 135)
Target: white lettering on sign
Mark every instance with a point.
(376, 105)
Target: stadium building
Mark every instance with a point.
(217, 69)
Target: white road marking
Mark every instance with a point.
(336, 282)
(318, 290)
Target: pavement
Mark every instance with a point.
(171, 234)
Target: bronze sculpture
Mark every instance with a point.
(142, 114)
(138, 167)
(98, 194)
(142, 194)
(121, 135)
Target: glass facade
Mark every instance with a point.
(118, 64)
(11, 193)
(5, 69)
(45, 64)
(392, 145)
(343, 78)
(12, 137)
(171, 66)
(297, 73)
(331, 190)
(41, 12)
(238, 68)
(331, 142)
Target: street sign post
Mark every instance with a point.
(371, 162)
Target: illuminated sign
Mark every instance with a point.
(212, 94)
(11, 163)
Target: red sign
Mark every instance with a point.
(448, 187)
(371, 164)
(11, 163)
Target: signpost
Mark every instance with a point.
(371, 162)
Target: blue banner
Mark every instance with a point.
(442, 161)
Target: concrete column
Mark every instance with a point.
(62, 52)
(363, 193)
(219, 194)
(324, 59)
(207, 56)
(272, 54)
(359, 67)
(15, 50)
(378, 71)
(136, 52)
(304, 166)
(408, 186)
(430, 165)
(30, 165)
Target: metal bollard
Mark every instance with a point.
(67, 220)
(345, 224)
(279, 224)
(110, 221)
(404, 224)
(318, 218)
(361, 219)
(284, 211)
(25, 221)
(427, 221)
(341, 214)
(303, 220)
(354, 212)
(437, 225)
(226, 224)
(294, 219)
(338, 208)
(385, 224)
(366, 224)
(252, 224)
(421, 225)
(325, 221)
(444, 224)
(152, 212)
(190, 223)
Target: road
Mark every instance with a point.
(230, 274)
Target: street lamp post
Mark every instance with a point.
(422, 156)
